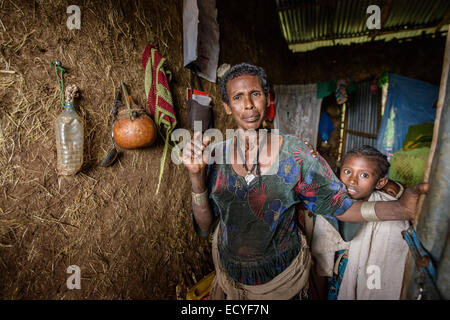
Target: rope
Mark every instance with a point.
(71, 94)
(59, 78)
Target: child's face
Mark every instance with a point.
(361, 177)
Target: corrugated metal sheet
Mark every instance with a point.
(362, 116)
(354, 142)
(310, 24)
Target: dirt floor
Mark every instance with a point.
(128, 242)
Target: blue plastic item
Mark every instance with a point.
(325, 127)
(412, 102)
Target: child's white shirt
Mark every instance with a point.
(376, 258)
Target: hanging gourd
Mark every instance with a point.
(133, 127)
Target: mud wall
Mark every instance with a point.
(128, 242)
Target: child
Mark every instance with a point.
(374, 260)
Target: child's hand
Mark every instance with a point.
(311, 149)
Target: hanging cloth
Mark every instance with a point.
(297, 110)
(341, 91)
(324, 89)
(409, 102)
(159, 98)
(326, 127)
(198, 111)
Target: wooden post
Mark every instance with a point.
(440, 102)
(410, 265)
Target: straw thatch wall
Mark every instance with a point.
(128, 242)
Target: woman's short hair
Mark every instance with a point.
(239, 70)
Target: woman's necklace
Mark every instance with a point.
(249, 177)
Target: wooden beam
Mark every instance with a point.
(380, 108)
(445, 20)
(440, 102)
(344, 137)
(332, 13)
(420, 29)
(363, 134)
(384, 15)
(307, 3)
(385, 12)
(408, 277)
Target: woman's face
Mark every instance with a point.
(361, 177)
(247, 102)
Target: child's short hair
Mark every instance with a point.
(370, 152)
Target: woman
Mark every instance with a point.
(258, 251)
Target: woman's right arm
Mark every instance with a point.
(196, 165)
(202, 210)
(402, 209)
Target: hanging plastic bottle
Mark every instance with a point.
(69, 136)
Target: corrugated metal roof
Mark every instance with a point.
(310, 24)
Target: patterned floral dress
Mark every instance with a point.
(258, 237)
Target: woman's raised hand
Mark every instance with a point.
(194, 158)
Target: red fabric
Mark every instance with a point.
(270, 112)
(152, 98)
(256, 199)
(373, 86)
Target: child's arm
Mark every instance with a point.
(402, 209)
